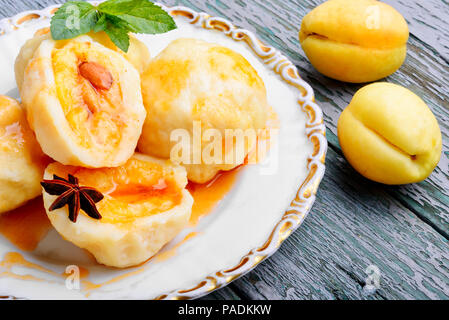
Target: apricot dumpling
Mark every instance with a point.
(144, 205)
(22, 161)
(195, 84)
(138, 54)
(83, 102)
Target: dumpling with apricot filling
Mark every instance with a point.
(140, 206)
(83, 102)
(195, 84)
(138, 53)
(22, 161)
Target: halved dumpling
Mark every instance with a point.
(145, 205)
(138, 53)
(84, 102)
(22, 161)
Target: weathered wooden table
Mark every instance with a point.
(354, 224)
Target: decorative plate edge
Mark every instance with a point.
(301, 205)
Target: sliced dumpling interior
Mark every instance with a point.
(138, 53)
(145, 205)
(84, 103)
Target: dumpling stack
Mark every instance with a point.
(83, 101)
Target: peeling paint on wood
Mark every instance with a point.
(354, 223)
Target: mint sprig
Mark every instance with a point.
(115, 17)
(73, 19)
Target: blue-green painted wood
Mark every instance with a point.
(354, 223)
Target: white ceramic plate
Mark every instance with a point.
(247, 226)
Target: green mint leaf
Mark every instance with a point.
(117, 22)
(115, 29)
(74, 18)
(116, 7)
(101, 24)
(142, 16)
(115, 17)
(118, 36)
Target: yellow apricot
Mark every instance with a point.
(354, 40)
(389, 135)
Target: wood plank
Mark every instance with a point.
(347, 231)
(225, 293)
(10, 8)
(424, 72)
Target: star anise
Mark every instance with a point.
(72, 194)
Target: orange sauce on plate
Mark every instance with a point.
(26, 226)
(165, 255)
(207, 196)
